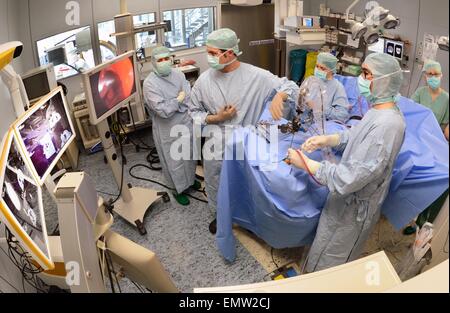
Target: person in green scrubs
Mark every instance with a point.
(432, 95)
(435, 98)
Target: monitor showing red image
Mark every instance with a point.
(111, 85)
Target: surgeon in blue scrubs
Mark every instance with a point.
(336, 106)
(231, 93)
(359, 184)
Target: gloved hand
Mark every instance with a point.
(227, 113)
(277, 106)
(181, 96)
(319, 142)
(300, 160)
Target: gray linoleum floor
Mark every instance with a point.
(178, 235)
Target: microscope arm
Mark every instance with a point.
(16, 88)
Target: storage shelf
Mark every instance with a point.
(350, 62)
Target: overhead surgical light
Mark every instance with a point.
(390, 22)
(376, 14)
(377, 19)
(358, 29)
(443, 43)
(371, 36)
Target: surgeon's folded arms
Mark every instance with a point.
(181, 96)
(227, 113)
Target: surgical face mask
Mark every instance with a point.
(164, 68)
(434, 82)
(364, 87)
(214, 61)
(320, 74)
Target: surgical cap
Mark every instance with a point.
(160, 53)
(224, 39)
(328, 60)
(432, 65)
(390, 77)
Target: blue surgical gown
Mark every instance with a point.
(161, 96)
(336, 105)
(247, 88)
(358, 186)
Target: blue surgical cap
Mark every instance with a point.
(328, 60)
(160, 53)
(432, 65)
(224, 39)
(387, 77)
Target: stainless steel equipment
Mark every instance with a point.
(254, 25)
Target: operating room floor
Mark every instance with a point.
(178, 235)
(181, 238)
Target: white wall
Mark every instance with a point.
(8, 32)
(9, 25)
(417, 17)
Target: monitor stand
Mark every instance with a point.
(134, 202)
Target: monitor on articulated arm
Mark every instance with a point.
(21, 208)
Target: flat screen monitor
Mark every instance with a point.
(308, 22)
(45, 132)
(394, 48)
(111, 85)
(378, 46)
(57, 55)
(37, 85)
(21, 208)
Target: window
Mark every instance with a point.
(189, 28)
(108, 43)
(145, 39)
(70, 52)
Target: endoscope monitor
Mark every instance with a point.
(110, 85)
(45, 132)
(21, 207)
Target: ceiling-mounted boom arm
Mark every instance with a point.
(123, 6)
(12, 80)
(16, 88)
(347, 12)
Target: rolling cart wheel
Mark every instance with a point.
(165, 196)
(213, 227)
(141, 228)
